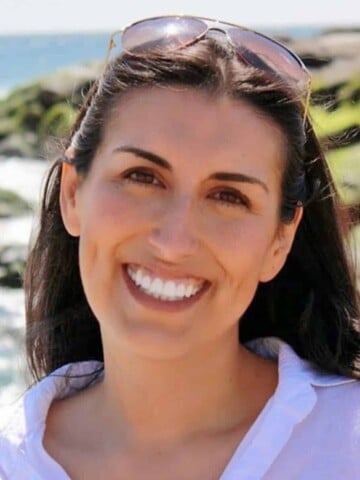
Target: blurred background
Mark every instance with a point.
(51, 51)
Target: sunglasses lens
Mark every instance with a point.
(263, 53)
(162, 34)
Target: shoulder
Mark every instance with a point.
(329, 436)
(27, 418)
(326, 444)
(334, 416)
(320, 412)
(337, 411)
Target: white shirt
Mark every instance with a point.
(308, 430)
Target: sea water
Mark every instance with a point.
(28, 57)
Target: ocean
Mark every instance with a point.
(27, 57)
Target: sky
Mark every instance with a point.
(23, 16)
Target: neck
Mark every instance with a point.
(165, 401)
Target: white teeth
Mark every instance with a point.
(167, 290)
(170, 289)
(189, 291)
(180, 290)
(138, 277)
(156, 287)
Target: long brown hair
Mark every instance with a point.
(311, 304)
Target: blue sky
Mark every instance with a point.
(107, 15)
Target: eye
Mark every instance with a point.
(232, 198)
(142, 176)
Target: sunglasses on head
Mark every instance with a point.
(159, 35)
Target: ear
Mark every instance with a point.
(69, 201)
(280, 247)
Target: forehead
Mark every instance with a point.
(189, 124)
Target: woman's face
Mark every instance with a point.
(178, 219)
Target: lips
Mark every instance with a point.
(159, 292)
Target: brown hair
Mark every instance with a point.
(311, 303)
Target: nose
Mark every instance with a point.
(174, 235)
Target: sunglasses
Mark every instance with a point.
(159, 35)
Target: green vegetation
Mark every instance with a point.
(338, 124)
(329, 123)
(44, 109)
(57, 120)
(344, 165)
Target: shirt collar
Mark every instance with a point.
(276, 349)
(294, 399)
(295, 395)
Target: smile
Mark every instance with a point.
(169, 290)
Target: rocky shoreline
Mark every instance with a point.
(35, 116)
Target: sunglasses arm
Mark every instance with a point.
(111, 45)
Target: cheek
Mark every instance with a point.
(109, 217)
(241, 249)
(248, 237)
(113, 211)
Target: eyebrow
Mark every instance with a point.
(161, 162)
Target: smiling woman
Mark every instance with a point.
(189, 284)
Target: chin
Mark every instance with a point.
(151, 341)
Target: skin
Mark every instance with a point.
(178, 389)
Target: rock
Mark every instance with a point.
(337, 72)
(19, 97)
(333, 58)
(8, 126)
(24, 144)
(69, 83)
(12, 264)
(329, 46)
(12, 204)
(35, 113)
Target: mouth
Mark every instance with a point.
(170, 294)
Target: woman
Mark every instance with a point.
(189, 286)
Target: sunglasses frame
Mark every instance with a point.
(213, 24)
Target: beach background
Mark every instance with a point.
(43, 77)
